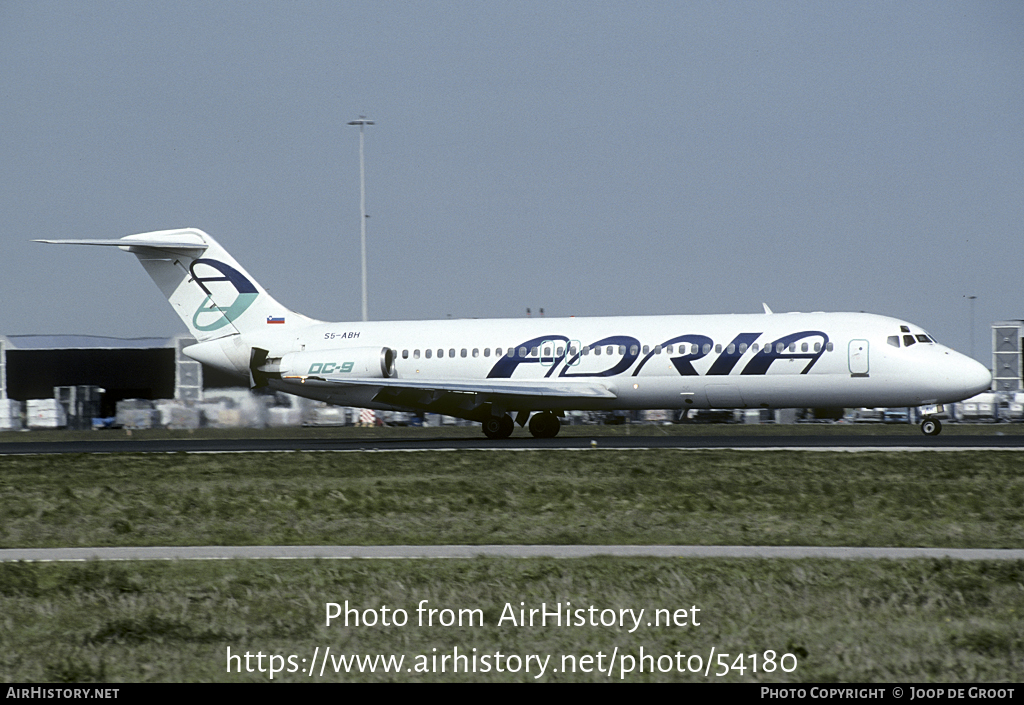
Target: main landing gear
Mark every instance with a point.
(498, 426)
(931, 426)
(542, 425)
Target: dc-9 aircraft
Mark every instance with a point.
(531, 371)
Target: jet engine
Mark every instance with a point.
(337, 362)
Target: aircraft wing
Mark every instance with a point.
(463, 393)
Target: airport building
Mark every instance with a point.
(68, 380)
(82, 382)
(1007, 337)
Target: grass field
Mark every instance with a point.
(962, 499)
(860, 621)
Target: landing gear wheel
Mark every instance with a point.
(544, 425)
(498, 426)
(931, 427)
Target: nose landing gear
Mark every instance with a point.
(931, 426)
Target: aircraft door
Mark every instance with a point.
(859, 365)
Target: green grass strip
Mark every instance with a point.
(860, 621)
(940, 499)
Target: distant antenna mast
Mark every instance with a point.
(362, 122)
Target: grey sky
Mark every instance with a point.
(589, 158)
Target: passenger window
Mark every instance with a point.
(718, 348)
(829, 347)
(405, 354)
(743, 348)
(792, 347)
(611, 350)
(633, 350)
(440, 352)
(779, 347)
(476, 352)
(533, 351)
(464, 352)
(597, 349)
(647, 349)
(487, 352)
(522, 352)
(416, 354)
(803, 348)
(559, 352)
(908, 340)
(428, 353)
(707, 348)
(668, 349)
(731, 349)
(817, 347)
(547, 352)
(893, 340)
(451, 353)
(657, 350)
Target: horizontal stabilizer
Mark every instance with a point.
(130, 242)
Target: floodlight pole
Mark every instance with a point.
(971, 300)
(362, 122)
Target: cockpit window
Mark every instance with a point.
(921, 338)
(893, 340)
(904, 329)
(908, 340)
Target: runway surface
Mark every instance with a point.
(823, 441)
(131, 553)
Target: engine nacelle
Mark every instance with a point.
(350, 362)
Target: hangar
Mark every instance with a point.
(35, 366)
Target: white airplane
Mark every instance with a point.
(506, 371)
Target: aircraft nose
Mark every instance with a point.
(976, 377)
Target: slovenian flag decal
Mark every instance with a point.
(275, 319)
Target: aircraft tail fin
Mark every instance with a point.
(211, 293)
